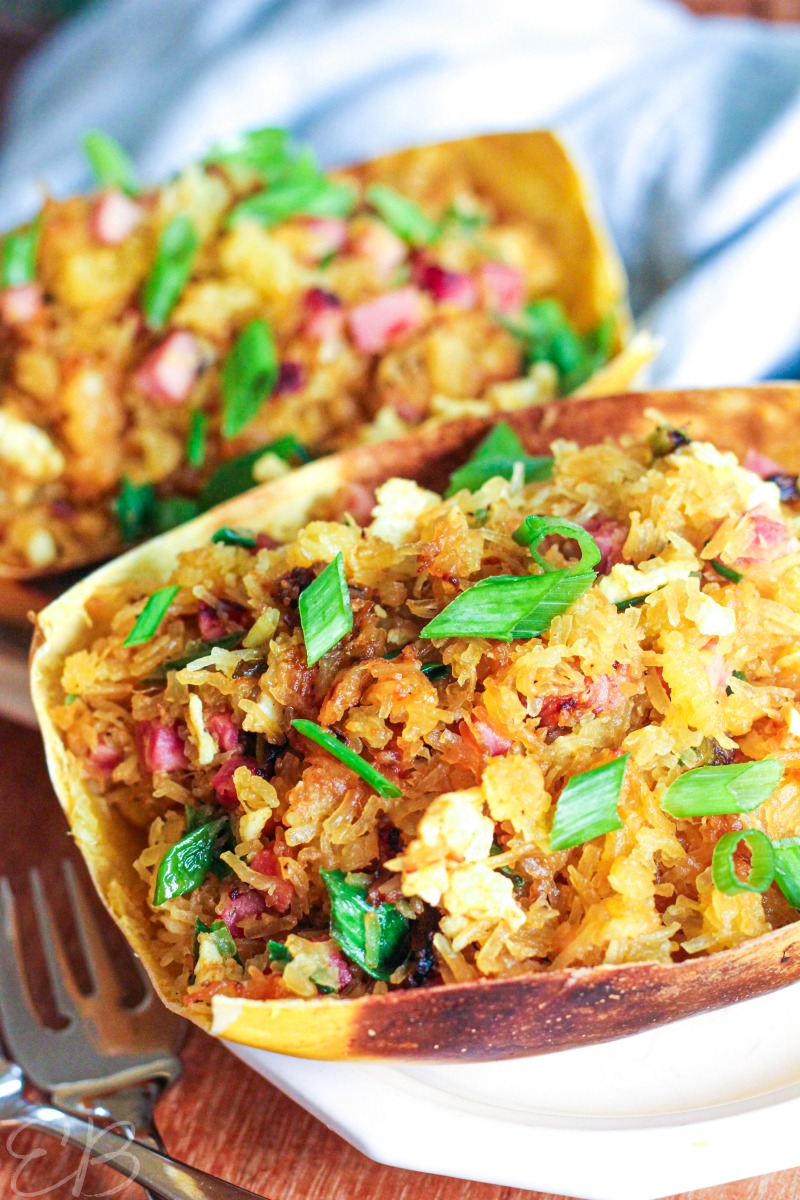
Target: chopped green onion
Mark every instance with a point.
(517, 880)
(736, 788)
(70, 698)
(236, 475)
(111, 165)
(293, 196)
(509, 606)
(277, 952)
(787, 868)
(186, 864)
(173, 510)
(726, 572)
(435, 671)
(328, 741)
(226, 536)
(762, 862)
(470, 222)
(18, 265)
(587, 807)
(621, 605)
(377, 939)
(497, 455)
(326, 614)
(534, 530)
(548, 336)
(175, 257)
(249, 374)
(196, 438)
(220, 935)
(135, 506)
(267, 151)
(403, 216)
(151, 616)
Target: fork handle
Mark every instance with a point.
(170, 1179)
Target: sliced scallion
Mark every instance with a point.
(403, 216)
(236, 475)
(249, 374)
(587, 807)
(435, 671)
(726, 572)
(267, 151)
(315, 196)
(497, 455)
(135, 507)
(186, 864)
(328, 741)
(535, 529)
(111, 165)
(787, 868)
(175, 257)
(548, 336)
(226, 536)
(196, 438)
(762, 862)
(509, 606)
(151, 616)
(326, 614)
(173, 510)
(376, 938)
(278, 952)
(734, 788)
(18, 263)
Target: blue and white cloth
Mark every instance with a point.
(691, 127)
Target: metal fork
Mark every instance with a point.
(109, 1061)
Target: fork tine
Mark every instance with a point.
(65, 991)
(105, 982)
(17, 1013)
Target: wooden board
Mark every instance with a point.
(220, 1116)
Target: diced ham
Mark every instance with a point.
(446, 287)
(597, 696)
(19, 305)
(168, 374)
(324, 315)
(242, 902)
(761, 465)
(279, 897)
(385, 250)
(377, 323)
(358, 500)
(329, 234)
(291, 378)
(223, 783)
(114, 217)
(716, 669)
(220, 620)
(502, 287)
(610, 536)
(160, 747)
(344, 974)
(486, 734)
(602, 694)
(105, 758)
(265, 541)
(224, 729)
(769, 539)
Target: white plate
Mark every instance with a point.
(15, 698)
(700, 1102)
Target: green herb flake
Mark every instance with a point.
(328, 741)
(710, 791)
(278, 952)
(326, 615)
(497, 455)
(196, 438)
(587, 807)
(403, 216)
(18, 261)
(151, 616)
(726, 572)
(135, 508)
(186, 864)
(249, 374)
(226, 536)
(377, 939)
(175, 258)
(111, 165)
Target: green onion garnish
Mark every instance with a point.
(236, 475)
(151, 616)
(509, 606)
(498, 454)
(277, 952)
(534, 530)
(762, 862)
(293, 196)
(587, 807)
(621, 605)
(220, 936)
(329, 742)
(708, 791)
(111, 165)
(18, 264)
(175, 257)
(403, 216)
(548, 336)
(787, 868)
(173, 510)
(135, 506)
(184, 867)
(196, 438)
(326, 614)
(374, 937)
(249, 374)
(226, 536)
(435, 671)
(266, 151)
(726, 572)
(70, 698)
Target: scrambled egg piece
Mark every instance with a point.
(754, 491)
(400, 504)
(452, 832)
(28, 450)
(625, 582)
